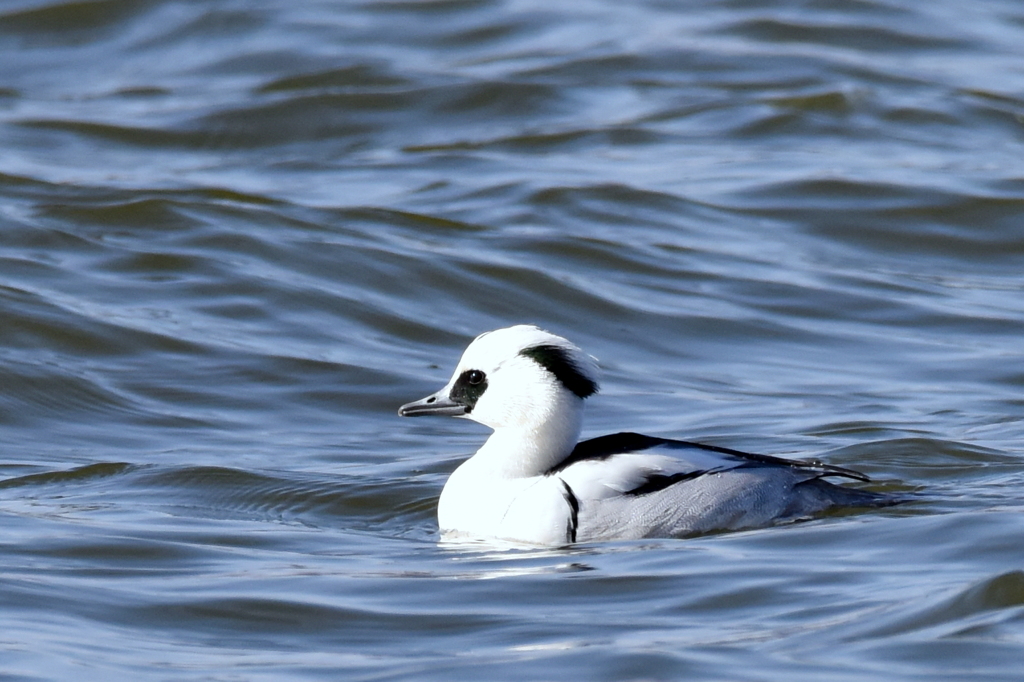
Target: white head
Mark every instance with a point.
(518, 379)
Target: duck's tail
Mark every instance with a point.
(832, 496)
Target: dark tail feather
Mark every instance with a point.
(832, 495)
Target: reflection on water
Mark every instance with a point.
(236, 237)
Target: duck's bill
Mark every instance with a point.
(439, 404)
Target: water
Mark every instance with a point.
(235, 236)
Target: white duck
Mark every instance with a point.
(533, 482)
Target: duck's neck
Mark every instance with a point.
(525, 451)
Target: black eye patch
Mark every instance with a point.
(559, 362)
(468, 388)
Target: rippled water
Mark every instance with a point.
(235, 236)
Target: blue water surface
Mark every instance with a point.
(236, 236)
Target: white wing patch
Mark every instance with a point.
(616, 475)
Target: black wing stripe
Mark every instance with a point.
(656, 482)
(574, 508)
(604, 447)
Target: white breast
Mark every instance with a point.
(532, 510)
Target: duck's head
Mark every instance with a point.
(519, 377)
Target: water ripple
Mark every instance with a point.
(235, 237)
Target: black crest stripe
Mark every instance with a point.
(558, 361)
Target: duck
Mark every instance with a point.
(534, 482)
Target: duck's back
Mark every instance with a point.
(630, 486)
